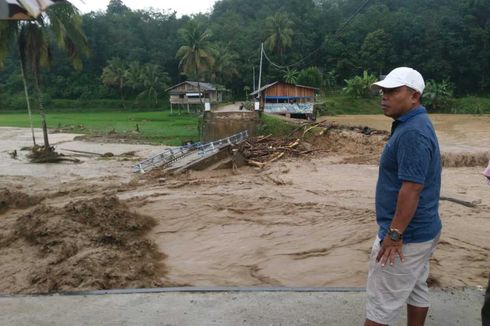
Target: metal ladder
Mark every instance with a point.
(172, 155)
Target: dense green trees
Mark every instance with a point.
(309, 39)
(148, 80)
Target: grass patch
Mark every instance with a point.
(17, 103)
(471, 105)
(155, 127)
(275, 126)
(335, 104)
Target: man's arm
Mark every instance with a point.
(408, 199)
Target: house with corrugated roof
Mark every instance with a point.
(286, 99)
(190, 93)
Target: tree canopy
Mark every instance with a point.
(313, 41)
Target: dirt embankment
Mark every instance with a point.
(88, 244)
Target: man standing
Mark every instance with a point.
(407, 203)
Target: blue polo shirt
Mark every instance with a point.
(411, 154)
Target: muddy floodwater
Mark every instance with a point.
(300, 221)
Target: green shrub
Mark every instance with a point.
(311, 76)
(438, 96)
(360, 86)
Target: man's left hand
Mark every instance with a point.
(389, 250)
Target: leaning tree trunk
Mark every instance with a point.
(27, 101)
(26, 92)
(42, 113)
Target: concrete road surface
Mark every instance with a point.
(224, 307)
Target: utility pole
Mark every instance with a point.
(253, 69)
(260, 71)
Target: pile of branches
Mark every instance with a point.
(262, 150)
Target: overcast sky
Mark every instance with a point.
(183, 7)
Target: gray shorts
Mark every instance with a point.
(390, 288)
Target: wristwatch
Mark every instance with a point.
(395, 234)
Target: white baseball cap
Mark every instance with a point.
(403, 76)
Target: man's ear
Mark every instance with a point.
(416, 97)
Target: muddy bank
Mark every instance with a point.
(16, 199)
(87, 244)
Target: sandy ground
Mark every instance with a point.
(299, 222)
(232, 107)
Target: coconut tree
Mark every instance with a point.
(195, 54)
(279, 31)
(291, 76)
(60, 25)
(115, 74)
(8, 33)
(153, 81)
(134, 74)
(224, 67)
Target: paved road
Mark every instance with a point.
(450, 307)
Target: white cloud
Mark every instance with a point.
(182, 7)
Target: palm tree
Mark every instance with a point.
(291, 76)
(115, 75)
(279, 29)
(134, 76)
(224, 67)
(153, 81)
(60, 25)
(196, 53)
(8, 33)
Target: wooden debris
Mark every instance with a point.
(459, 201)
(263, 138)
(262, 150)
(255, 163)
(276, 157)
